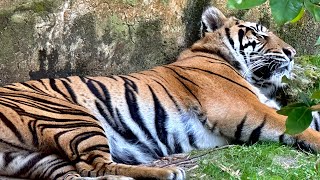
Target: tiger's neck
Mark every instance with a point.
(215, 44)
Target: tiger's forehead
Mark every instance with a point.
(258, 28)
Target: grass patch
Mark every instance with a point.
(260, 161)
(312, 59)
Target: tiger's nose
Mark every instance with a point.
(289, 51)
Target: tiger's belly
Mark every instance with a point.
(132, 143)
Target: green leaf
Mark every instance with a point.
(298, 120)
(299, 16)
(285, 79)
(318, 42)
(285, 10)
(313, 8)
(316, 95)
(315, 1)
(305, 99)
(244, 4)
(286, 110)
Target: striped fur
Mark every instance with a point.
(77, 127)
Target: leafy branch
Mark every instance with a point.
(300, 114)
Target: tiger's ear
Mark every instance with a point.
(211, 20)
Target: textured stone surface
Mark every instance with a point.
(57, 38)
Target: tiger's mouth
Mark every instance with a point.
(276, 69)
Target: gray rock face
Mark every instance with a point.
(58, 38)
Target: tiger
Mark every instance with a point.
(109, 127)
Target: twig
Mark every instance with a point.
(187, 160)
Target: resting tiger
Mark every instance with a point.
(104, 127)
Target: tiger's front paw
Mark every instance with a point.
(175, 173)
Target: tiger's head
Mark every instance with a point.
(258, 54)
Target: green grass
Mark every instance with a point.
(259, 161)
(312, 59)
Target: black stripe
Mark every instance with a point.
(73, 124)
(232, 67)
(56, 140)
(49, 167)
(74, 143)
(28, 86)
(281, 139)
(106, 99)
(316, 123)
(8, 157)
(132, 76)
(42, 83)
(226, 78)
(129, 82)
(255, 135)
(231, 64)
(253, 44)
(27, 165)
(192, 140)
(33, 130)
(58, 106)
(229, 37)
(181, 76)
(62, 174)
(11, 126)
(135, 115)
(123, 130)
(70, 91)
(238, 133)
(160, 121)
(263, 45)
(13, 145)
(240, 36)
(177, 144)
(35, 88)
(130, 159)
(107, 117)
(129, 136)
(302, 145)
(99, 147)
(184, 85)
(92, 157)
(54, 87)
(169, 94)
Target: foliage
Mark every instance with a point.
(283, 10)
(300, 114)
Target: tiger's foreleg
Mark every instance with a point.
(252, 121)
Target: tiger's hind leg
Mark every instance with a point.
(87, 148)
(34, 165)
(103, 167)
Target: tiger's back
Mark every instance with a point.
(78, 127)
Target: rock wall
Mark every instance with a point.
(57, 38)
